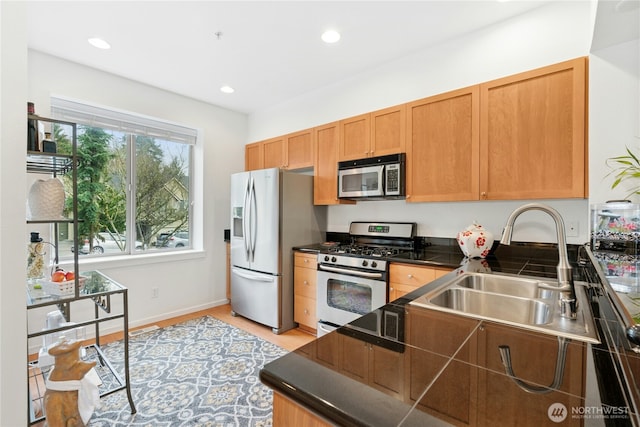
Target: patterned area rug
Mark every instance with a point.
(202, 372)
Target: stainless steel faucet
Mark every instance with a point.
(568, 301)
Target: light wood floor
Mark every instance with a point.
(289, 340)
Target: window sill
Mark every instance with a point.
(107, 262)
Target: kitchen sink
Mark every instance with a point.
(509, 308)
(507, 285)
(522, 301)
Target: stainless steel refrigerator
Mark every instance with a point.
(272, 211)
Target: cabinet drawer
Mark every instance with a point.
(397, 290)
(411, 275)
(304, 311)
(305, 260)
(415, 276)
(304, 282)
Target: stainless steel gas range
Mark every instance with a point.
(353, 277)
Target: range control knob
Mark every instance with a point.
(333, 259)
(365, 263)
(374, 264)
(326, 257)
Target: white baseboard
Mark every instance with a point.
(90, 331)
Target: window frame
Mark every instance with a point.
(192, 137)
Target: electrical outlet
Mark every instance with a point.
(572, 229)
(155, 292)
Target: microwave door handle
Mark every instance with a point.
(350, 272)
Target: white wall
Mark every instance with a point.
(547, 35)
(187, 281)
(13, 86)
(614, 114)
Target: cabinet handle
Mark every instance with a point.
(483, 194)
(306, 311)
(306, 260)
(410, 276)
(305, 282)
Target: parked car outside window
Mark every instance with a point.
(179, 239)
(107, 243)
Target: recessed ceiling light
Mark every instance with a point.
(330, 36)
(227, 89)
(99, 43)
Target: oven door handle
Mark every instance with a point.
(350, 272)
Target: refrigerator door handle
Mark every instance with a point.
(245, 220)
(253, 222)
(255, 277)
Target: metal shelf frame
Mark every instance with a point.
(98, 287)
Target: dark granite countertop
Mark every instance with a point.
(403, 365)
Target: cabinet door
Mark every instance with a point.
(355, 137)
(355, 358)
(443, 147)
(388, 129)
(533, 358)
(533, 134)
(304, 312)
(304, 282)
(274, 153)
(286, 412)
(299, 150)
(386, 369)
(325, 180)
(253, 156)
(442, 342)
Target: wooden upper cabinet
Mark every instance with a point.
(253, 156)
(299, 149)
(518, 137)
(378, 133)
(325, 182)
(533, 134)
(388, 127)
(443, 147)
(355, 136)
(274, 153)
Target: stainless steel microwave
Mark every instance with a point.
(373, 178)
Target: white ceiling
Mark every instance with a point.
(269, 51)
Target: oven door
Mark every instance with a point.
(344, 295)
(359, 182)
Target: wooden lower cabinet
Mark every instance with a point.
(405, 278)
(287, 413)
(533, 358)
(473, 388)
(304, 290)
(434, 337)
(376, 366)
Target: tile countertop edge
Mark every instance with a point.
(337, 387)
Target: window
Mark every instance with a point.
(134, 180)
